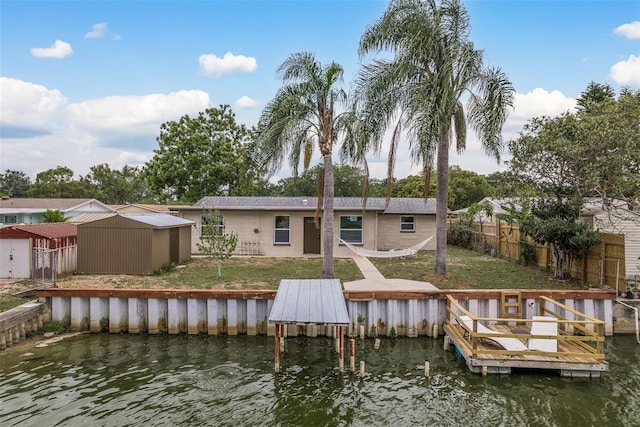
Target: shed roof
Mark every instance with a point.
(48, 231)
(158, 220)
(396, 205)
(318, 301)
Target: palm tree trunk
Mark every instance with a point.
(327, 219)
(442, 196)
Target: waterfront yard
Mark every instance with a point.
(467, 270)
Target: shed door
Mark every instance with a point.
(15, 257)
(311, 236)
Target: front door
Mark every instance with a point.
(311, 236)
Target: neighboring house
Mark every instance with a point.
(55, 250)
(142, 208)
(618, 219)
(286, 226)
(132, 243)
(32, 210)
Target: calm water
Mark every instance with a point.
(117, 380)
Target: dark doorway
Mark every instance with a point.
(311, 236)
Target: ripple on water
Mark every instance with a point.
(113, 380)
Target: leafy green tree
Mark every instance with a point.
(411, 186)
(197, 156)
(434, 67)
(14, 183)
(592, 153)
(117, 186)
(555, 222)
(348, 181)
(53, 216)
(214, 241)
(595, 93)
(466, 188)
(304, 112)
(59, 183)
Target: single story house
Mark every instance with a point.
(32, 210)
(55, 248)
(286, 226)
(132, 243)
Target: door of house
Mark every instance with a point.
(311, 236)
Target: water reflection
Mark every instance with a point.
(115, 380)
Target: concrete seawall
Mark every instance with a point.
(17, 322)
(385, 313)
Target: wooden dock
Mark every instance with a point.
(579, 351)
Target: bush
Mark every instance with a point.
(527, 254)
(166, 268)
(460, 235)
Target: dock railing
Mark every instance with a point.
(583, 337)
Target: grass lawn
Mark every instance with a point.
(8, 301)
(237, 273)
(470, 270)
(467, 270)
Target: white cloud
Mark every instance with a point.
(135, 115)
(627, 73)
(213, 66)
(98, 31)
(246, 102)
(58, 50)
(40, 130)
(630, 30)
(27, 107)
(538, 102)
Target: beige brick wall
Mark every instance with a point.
(382, 232)
(390, 236)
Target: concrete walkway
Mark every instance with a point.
(375, 281)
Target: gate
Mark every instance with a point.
(45, 267)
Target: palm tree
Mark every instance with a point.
(303, 112)
(434, 68)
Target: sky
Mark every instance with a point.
(84, 83)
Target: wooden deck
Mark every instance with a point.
(576, 356)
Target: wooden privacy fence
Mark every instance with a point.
(603, 265)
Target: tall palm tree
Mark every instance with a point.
(303, 113)
(435, 67)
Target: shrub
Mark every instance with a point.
(460, 235)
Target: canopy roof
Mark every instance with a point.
(310, 301)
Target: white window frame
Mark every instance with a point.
(219, 228)
(276, 229)
(351, 230)
(404, 223)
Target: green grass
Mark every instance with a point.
(466, 270)
(260, 273)
(470, 270)
(7, 302)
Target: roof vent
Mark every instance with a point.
(305, 201)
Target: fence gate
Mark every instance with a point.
(45, 267)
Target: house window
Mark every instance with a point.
(10, 219)
(351, 228)
(211, 225)
(407, 224)
(281, 229)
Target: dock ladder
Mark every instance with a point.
(510, 304)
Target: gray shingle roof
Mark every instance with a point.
(396, 205)
(41, 203)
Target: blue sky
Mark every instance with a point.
(84, 83)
